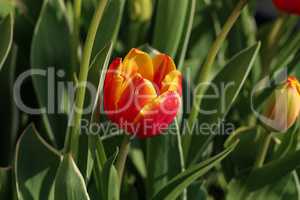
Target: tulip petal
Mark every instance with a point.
(135, 96)
(112, 84)
(156, 116)
(290, 6)
(163, 65)
(141, 61)
(172, 82)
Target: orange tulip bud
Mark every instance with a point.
(289, 6)
(142, 94)
(283, 106)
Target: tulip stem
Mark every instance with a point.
(205, 71)
(76, 32)
(263, 149)
(122, 157)
(72, 139)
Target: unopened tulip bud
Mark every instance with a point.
(288, 6)
(140, 10)
(283, 106)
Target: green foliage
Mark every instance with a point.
(54, 38)
(51, 47)
(69, 183)
(6, 36)
(35, 166)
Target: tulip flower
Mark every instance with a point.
(289, 6)
(142, 94)
(283, 106)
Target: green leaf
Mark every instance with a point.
(157, 163)
(9, 115)
(69, 183)
(97, 72)
(164, 150)
(289, 142)
(169, 25)
(51, 47)
(137, 157)
(88, 141)
(284, 188)
(187, 34)
(85, 158)
(228, 83)
(241, 160)
(110, 180)
(99, 157)
(287, 52)
(35, 167)
(109, 27)
(5, 183)
(176, 186)
(6, 37)
(272, 171)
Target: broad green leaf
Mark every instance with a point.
(169, 25)
(157, 152)
(284, 188)
(109, 27)
(9, 115)
(69, 183)
(96, 77)
(137, 157)
(51, 47)
(99, 157)
(85, 158)
(176, 186)
(273, 171)
(241, 160)
(91, 147)
(186, 33)
(110, 180)
(5, 183)
(287, 52)
(35, 167)
(6, 37)
(227, 83)
(289, 142)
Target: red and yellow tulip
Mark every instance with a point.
(142, 94)
(283, 106)
(289, 6)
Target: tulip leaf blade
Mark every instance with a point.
(170, 19)
(96, 76)
(110, 24)
(187, 34)
(229, 81)
(69, 183)
(6, 37)
(35, 167)
(110, 180)
(99, 157)
(9, 114)
(241, 160)
(5, 183)
(50, 54)
(284, 188)
(273, 171)
(176, 186)
(157, 163)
